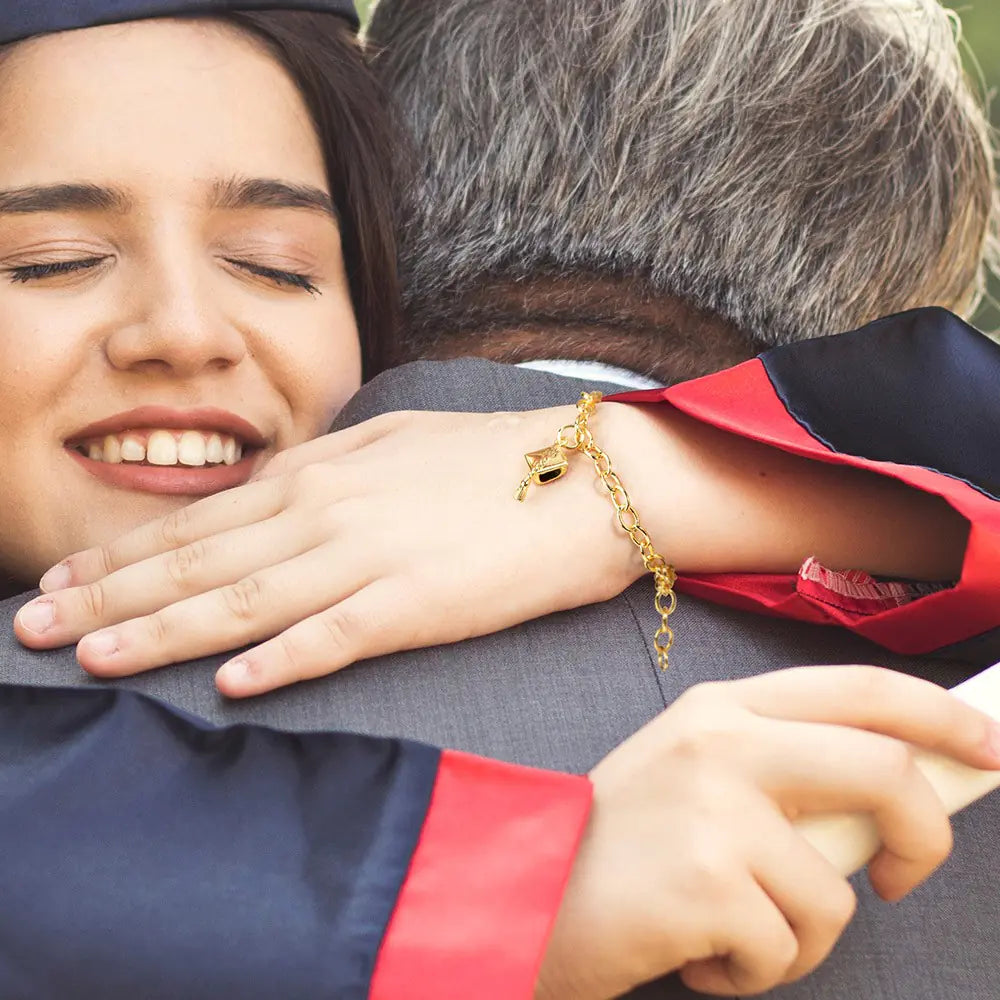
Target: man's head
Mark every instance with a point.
(682, 180)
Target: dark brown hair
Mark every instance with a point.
(360, 142)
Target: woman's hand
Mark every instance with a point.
(402, 532)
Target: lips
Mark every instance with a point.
(151, 472)
(175, 480)
(152, 417)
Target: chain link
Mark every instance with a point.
(578, 437)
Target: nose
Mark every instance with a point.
(175, 326)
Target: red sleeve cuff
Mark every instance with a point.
(485, 883)
(742, 400)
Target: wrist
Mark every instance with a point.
(578, 509)
(642, 444)
(563, 970)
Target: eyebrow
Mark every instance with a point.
(235, 193)
(63, 198)
(257, 192)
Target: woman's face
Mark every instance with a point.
(172, 289)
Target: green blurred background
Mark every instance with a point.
(981, 21)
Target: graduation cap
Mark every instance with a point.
(23, 18)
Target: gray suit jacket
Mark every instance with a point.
(562, 691)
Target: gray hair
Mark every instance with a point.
(793, 167)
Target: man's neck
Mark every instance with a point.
(603, 321)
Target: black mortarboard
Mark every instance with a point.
(23, 18)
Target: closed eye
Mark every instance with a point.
(287, 279)
(38, 272)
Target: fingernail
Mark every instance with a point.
(57, 578)
(100, 644)
(37, 616)
(234, 673)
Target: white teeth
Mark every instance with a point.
(191, 449)
(214, 452)
(133, 450)
(161, 449)
(112, 450)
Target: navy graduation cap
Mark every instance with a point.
(23, 18)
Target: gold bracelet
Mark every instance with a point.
(550, 464)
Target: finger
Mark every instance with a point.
(252, 609)
(223, 511)
(879, 700)
(814, 898)
(818, 768)
(365, 624)
(754, 953)
(145, 587)
(329, 446)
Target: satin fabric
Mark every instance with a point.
(20, 19)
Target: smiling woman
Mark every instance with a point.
(182, 310)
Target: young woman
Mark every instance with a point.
(184, 300)
(194, 229)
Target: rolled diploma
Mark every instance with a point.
(851, 840)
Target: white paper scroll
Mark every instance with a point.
(850, 841)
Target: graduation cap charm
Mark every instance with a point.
(544, 467)
(548, 465)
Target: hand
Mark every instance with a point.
(399, 533)
(691, 861)
(403, 532)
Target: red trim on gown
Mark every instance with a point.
(743, 401)
(485, 883)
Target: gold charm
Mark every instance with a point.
(544, 467)
(547, 465)
(550, 464)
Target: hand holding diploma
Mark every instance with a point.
(722, 832)
(851, 840)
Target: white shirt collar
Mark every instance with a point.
(595, 371)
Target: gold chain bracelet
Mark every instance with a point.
(550, 464)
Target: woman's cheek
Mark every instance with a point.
(34, 360)
(327, 373)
